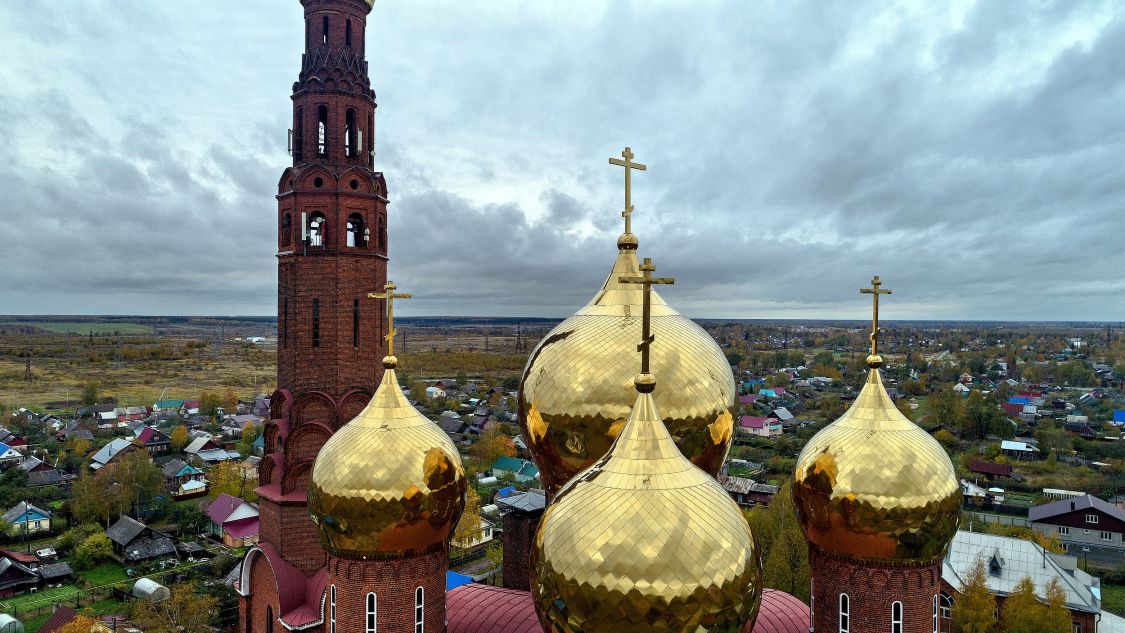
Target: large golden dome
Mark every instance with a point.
(644, 541)
(388, 482)
(874, 486)
(576, 390)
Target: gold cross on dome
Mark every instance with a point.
(390, 296)
(648, 281)
(875, 291)
(629, 166)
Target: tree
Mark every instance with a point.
(179, 438)
(975, 610)
(184, 612)
(90, 394)
(468, 528)
(82, 624)
(1056, 617)
(945, 438)
(139, 479)
(1022, 611)
(93, 550)
(87, 501)
(944, 407)
(250, 434)
(783, 544)
(232, 479)
(230, 401)
(73, 537)
(461, 379)
(490, 446)
(209, 401)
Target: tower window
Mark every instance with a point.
(317, 225)
(355, 231)
(286, 229)
(896, 617)
(355, 324)
(285, 324)
(946, 606)
(371, 604)
(348, 33)
(935, 614)
(299, 136)
(349, 133)
(419, 610)
(316, 327)
(322, 129)
(382, 234)
(845, 619)
(269, 619)
(324, 30)
(371, 140)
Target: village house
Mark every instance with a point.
(747, 492)
(233, 520)
(990, 470)
(9, 454)
(1086, 526)
(177, 472)
(759, 426)
(522, 470)
(1019, 450)
(157, 442)
(15, 577)
(26, 518)
(134, 541)
(111, 451)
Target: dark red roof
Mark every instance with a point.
(781, 613)
(19, 557)
(60, 618)
(477, 608)
(990, 468)
(222, 507)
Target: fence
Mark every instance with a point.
(999, 519)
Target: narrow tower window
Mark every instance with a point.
(844, 613)
(935, 614)
(812, 600)
(349, 133)
(419, 609)
(896, 617)
(371, 627)
(355, 231)
(316, 343)
(324, 30)
(355, 324)
(286, 229)
(371, 140)
(348, 33)
(299, 137)
(285, 324)
(269, 619)
(382, 234)
(322, 130)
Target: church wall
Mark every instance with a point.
(1086, 622)
(291, 531)
(872, 589)
(394, 583)
(263, 594)
(517, 537)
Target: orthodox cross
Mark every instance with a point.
(648, 281)
(629, 165)
(875, 291)
(390, 296)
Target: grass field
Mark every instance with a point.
(1113, 598)
(85, 328)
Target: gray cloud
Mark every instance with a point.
(970, 153)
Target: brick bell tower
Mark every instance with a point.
(332, 251)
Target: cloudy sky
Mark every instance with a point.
(971, 153)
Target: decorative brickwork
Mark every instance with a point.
(395, 583)
(871, 589)
(519, 532)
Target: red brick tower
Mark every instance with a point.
(332, 251)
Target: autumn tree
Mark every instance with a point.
(1056, 617)
(82, 624)
(87, 502)
(179, 438)
(90, 394)
(184, 612)
(783, 545)
(975, 610)
(96, 548)
(230, 401)
(140, 480)
(232, 479)
(209, 402)
(1022, 611)
(468, 528)
(490, 446)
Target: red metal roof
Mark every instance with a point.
(990, 468)
(60, 618)
(222, 507)
(485, 609)
(242, 528)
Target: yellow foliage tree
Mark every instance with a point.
(179, 438)
(1056, 617)
(83, 624)
(232, 479)
(184, 612)
(492, 445)
(468, 528)
(975, 610)
(1022, 611)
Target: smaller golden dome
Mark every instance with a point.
(388, 482)
(643, 540)
(874, 486)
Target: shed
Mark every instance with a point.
(150, 590)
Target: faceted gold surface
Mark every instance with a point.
(388, 482)
(644, 541)
(577, 388)
(874, 486)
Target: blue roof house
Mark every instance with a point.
(27, 517)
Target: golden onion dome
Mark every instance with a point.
(388, 482)
(644, 541)
(874, 486)
(576, 390)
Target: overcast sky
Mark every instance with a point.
(973, 154)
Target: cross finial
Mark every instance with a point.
(874, 360)
(629, 166)
(389, 294)
(645, 382)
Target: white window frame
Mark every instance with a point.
(332, 609)
(1091, 518)
(845, 613)
(1064, 530)
(1107, 536)
(371, 606)
(419, 610)
(812, 600)
(945, 611)
(935, 613)
(896, 617)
